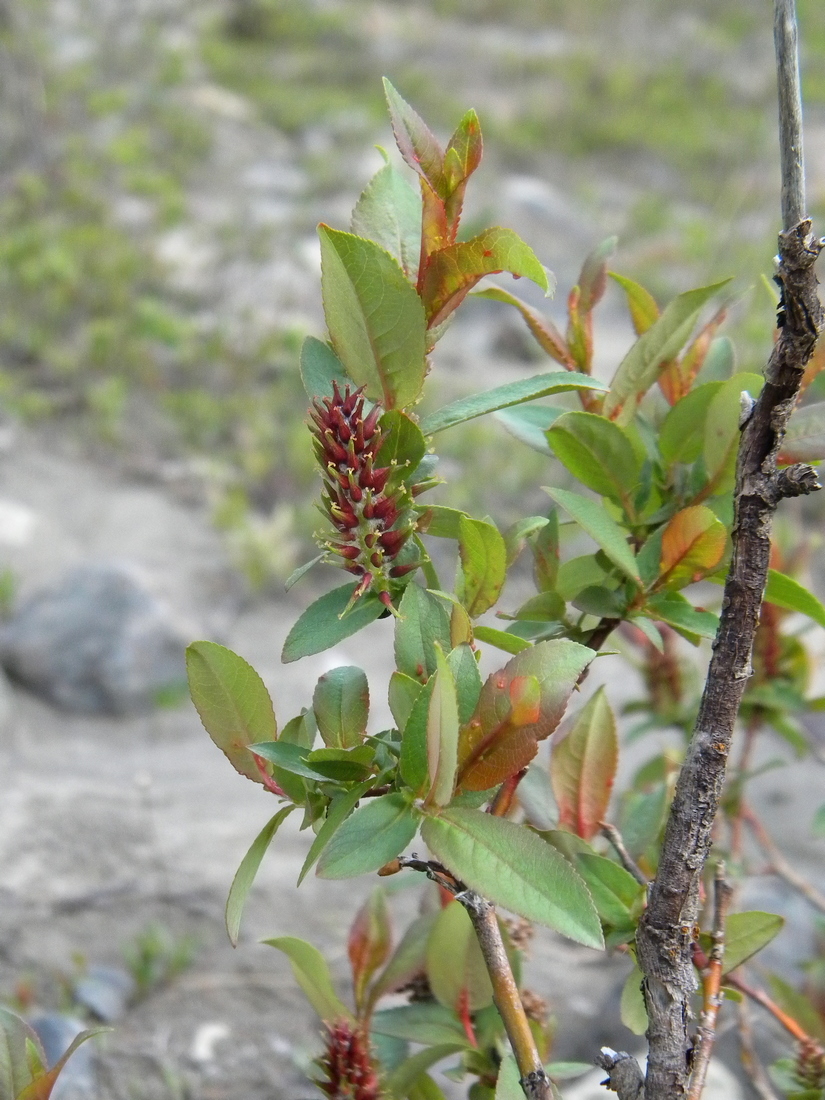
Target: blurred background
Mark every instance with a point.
(165, 163)
(164, 166)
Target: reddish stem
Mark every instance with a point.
(464, 1016)
(266, 778)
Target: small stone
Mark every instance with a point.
(105, 991)
(97, 641)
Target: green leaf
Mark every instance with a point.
(509, 643)
(402, 1080)
(341, 703)
(248, 869)
(403, 692)
(614, 890)
(312, 974)
(483, 556)
(529, 424)
(416, 142)
(389, 213)
(414, 762)
(591, 517)
(302, 571)
(543, 329)
(644, 311)
(338, 811)
(599, 454)
(508, 1082)
(515, 869)
(343, 765)
(545, 548)
(320, 367)
(576, 574)
(662, 341)
(746, 934)
(301, 731)
(721, 440)
(15, 1071)
(290, 758)
(583, 766)
(805, 437)
(232, 702)
(428, 1023)
(503, 397)
(370, 837)
(468, 682)
(440, 522)
(784, 591)
(442, 733)
(375, 318)
(456, 970)
(693, 545)
(453, 271)
(514, 714)
(404, 445)
(632, 1008)
(562, 1071)
(672, 608)
(683, 429)
(324, 624)
(423, 620)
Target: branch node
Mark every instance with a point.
(796, 481)
(624, 1074)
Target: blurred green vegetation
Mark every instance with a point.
(93, 330)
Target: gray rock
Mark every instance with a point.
(95, 642)
(77, 1078)
(105, 991)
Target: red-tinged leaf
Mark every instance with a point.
(453, 271)
(492, 746)
(693, 544)
(640, 302)
(677, 378)
(805, 438)
(43, 1085)
(579, 332)
(370, 941)
(464, 150)
(593, 277)
(583, 767)
(21, 1054)
(525, 699)
(417, 144)
(548, 336)
(435, 230)
(232, 702)
(461, 159)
